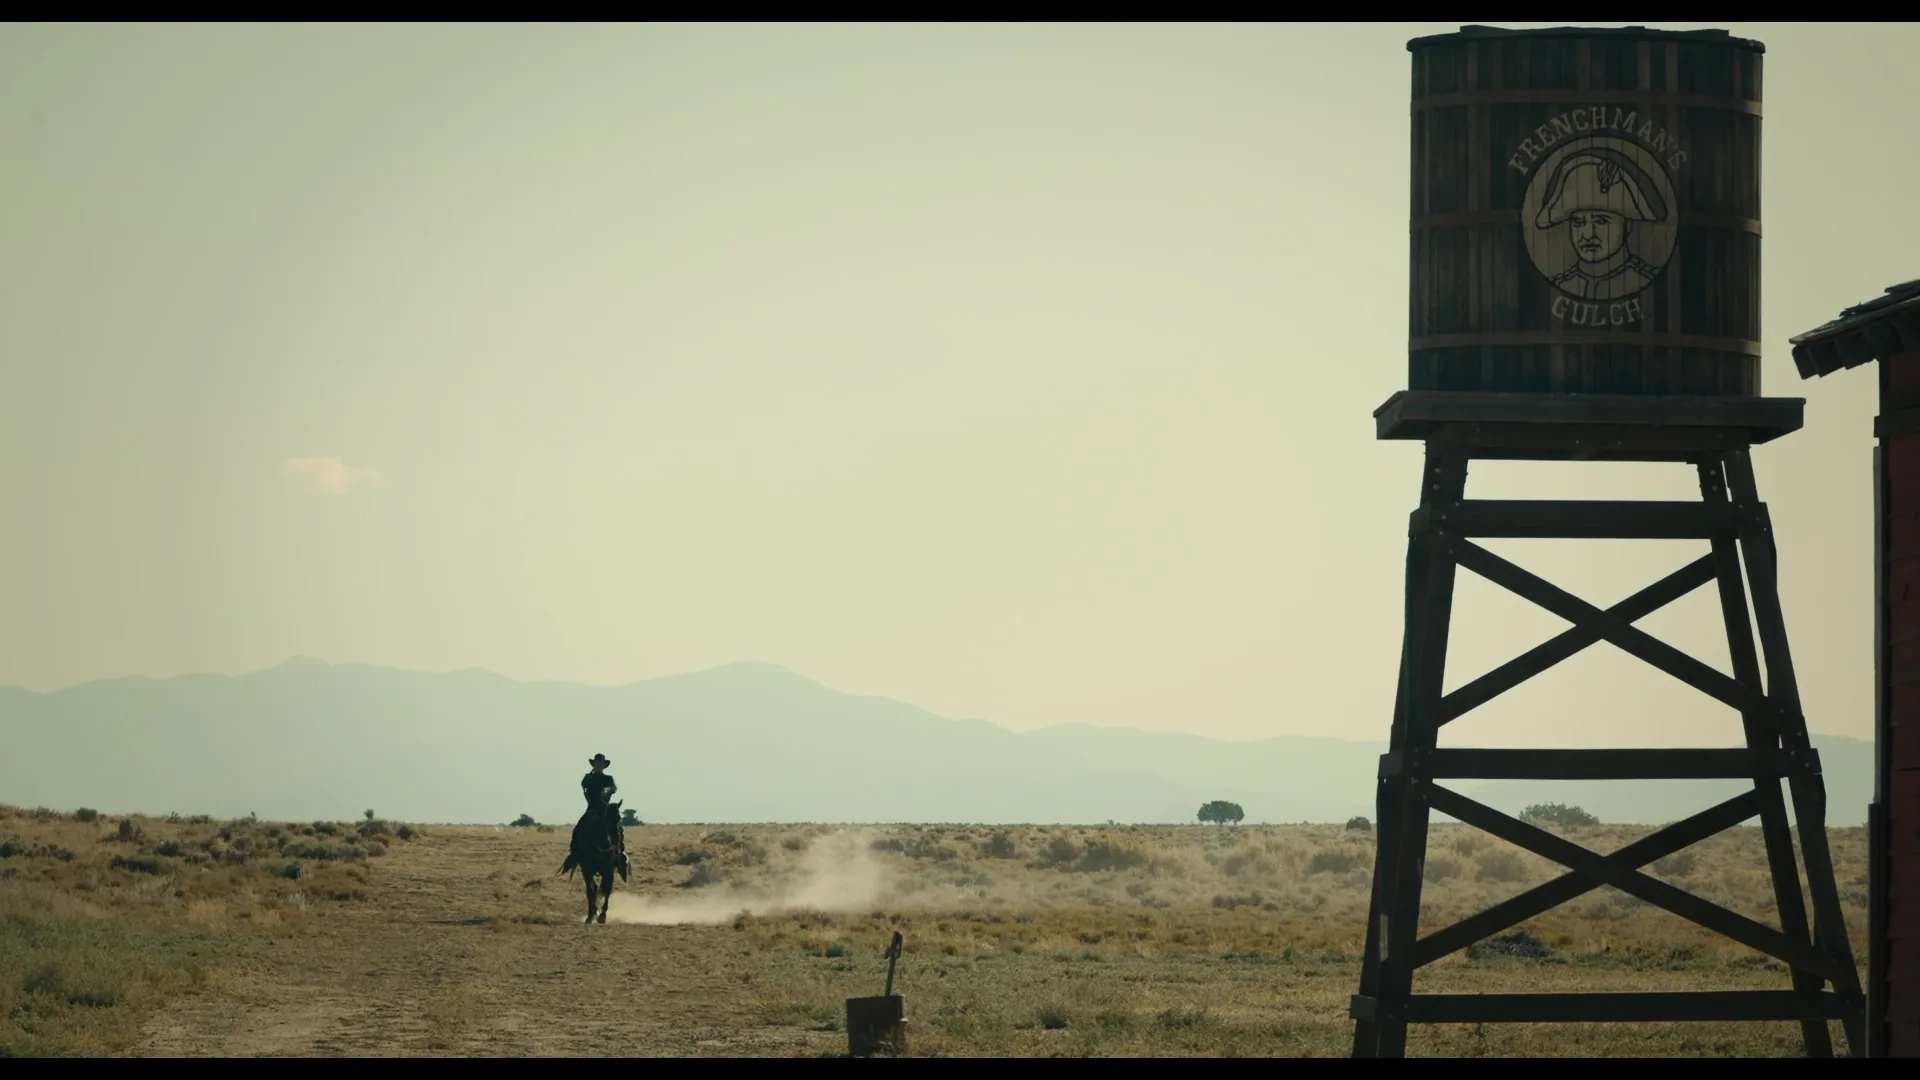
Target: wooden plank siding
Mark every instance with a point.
(1894, 888)
(1498, 118)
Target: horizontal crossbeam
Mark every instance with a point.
(1550, 519)
(1474, 764)
(1569, 642)
(1707, 1005)
(1542, 898)
(1704, 913)
(1636, 642)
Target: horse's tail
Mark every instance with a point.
(573, 860)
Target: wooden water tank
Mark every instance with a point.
(1586, 212)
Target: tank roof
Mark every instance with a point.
(1630, 33)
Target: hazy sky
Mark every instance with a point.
(1020, 372)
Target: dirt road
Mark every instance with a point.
(464, 943)
(428, 965)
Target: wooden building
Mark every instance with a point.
(1887, 330)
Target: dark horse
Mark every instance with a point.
(596, 855)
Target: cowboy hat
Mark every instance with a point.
(598, 759)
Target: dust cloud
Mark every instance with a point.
(836, 874)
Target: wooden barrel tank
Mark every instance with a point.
(1586, 212)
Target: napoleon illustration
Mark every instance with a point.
(1594, 199)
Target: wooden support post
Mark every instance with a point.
(1781, 864)
(1808, 788)
(1400, 862)
(1734, 521)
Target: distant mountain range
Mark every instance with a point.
(746, 742)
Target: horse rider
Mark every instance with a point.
(599, 788)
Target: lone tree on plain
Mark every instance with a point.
(1221, 812)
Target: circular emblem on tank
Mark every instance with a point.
(1599, 218)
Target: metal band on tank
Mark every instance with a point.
(1741, 346)
(1464, 98)
(1467, 219)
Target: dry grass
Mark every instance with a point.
(1019, 941)
(1245, 941)
(1272, 888)
(103, 918)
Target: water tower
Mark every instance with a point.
(1585, 286)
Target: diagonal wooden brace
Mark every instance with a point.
(1608, 871)
(1617, 632)
(1541, 898)
(1565, 645)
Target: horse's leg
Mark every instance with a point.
(590, 897)
(606, 894)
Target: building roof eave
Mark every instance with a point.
(1878, 329)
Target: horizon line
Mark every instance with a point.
(302, 659)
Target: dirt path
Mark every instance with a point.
(464, 943)
(425, 967)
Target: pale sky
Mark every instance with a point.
(1020, 372)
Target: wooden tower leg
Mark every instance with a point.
(1400, 856)
(1808, 788)
(1366, 1033)
(1763, 735)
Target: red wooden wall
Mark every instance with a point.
(1897, 891)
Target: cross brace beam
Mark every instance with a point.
(1632, 882)
(1572, 886)
(1599, 764)
(1570, 642)
(1708, 1005)
(1611, 628)
(1541, 519)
